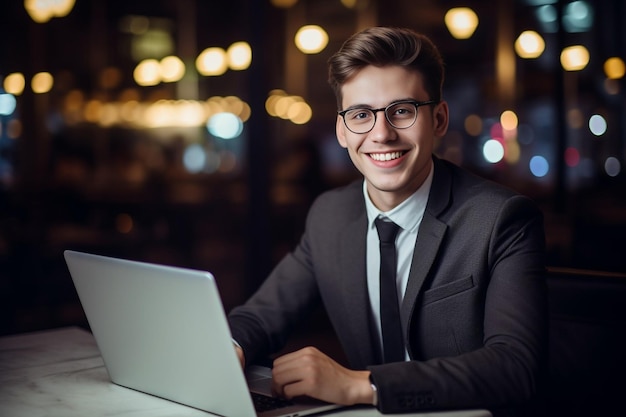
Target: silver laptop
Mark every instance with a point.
(162, 330)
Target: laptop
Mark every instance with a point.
(163, 331)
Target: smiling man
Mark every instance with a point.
(465, 324)
(393, 154)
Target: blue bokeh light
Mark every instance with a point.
(612, 166)
(194, 158)
(225, 125)
(493, 151)
(8, 103)
(539, 166)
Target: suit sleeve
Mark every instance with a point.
(508, 368)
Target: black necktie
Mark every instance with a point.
(393, 345)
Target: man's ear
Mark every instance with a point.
(341, 132)
(441, 118)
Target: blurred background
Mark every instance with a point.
(197, 133)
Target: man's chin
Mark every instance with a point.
(386, 186)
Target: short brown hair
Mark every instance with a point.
(386, 46)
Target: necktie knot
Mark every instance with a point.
(387, 230)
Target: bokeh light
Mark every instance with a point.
(509, 120)
(311, 39)
(572, 157)
(194, 158)
(299, 113)
(180, 113)
(92, 110)
(212, 62)
(574, 58)
(272, 99)
(529, 44)
(473, 125)
(548, 17)
(612, 166)
(130, 112)
(575, 118)
(147, 72)
(188, 113)
(614, 68)
(171, 69)
(496, 130)
(225, 125)
(42, 11)
(577, 16)
(461, 22)
(229, 104)
(597, 125)
(288, 107)
(239, 56)
(109, 115)
(14, 83)
(8, 103)
(493, 151)
(539, 166)
(158, 114)
(42, 82)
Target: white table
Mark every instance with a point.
(61, 373)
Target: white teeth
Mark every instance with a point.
(386, 156)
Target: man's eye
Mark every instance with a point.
(359, 114)
(403, 110)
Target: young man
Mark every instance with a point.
(470, 274)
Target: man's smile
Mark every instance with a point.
(386, 156)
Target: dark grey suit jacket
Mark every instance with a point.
(474, 312)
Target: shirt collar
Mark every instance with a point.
(407, 214)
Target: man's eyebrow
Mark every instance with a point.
(359, 106)
(367, 106)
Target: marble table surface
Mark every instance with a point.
(61, 373)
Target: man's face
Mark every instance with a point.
(394, 162)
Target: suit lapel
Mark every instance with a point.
(429, 238)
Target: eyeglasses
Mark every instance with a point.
(401, 115)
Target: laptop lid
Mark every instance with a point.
(162, 330)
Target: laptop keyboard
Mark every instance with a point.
(266, 403)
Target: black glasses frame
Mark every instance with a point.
(416, 103)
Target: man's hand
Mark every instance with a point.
(312, 373)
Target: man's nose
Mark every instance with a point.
(382, 130)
